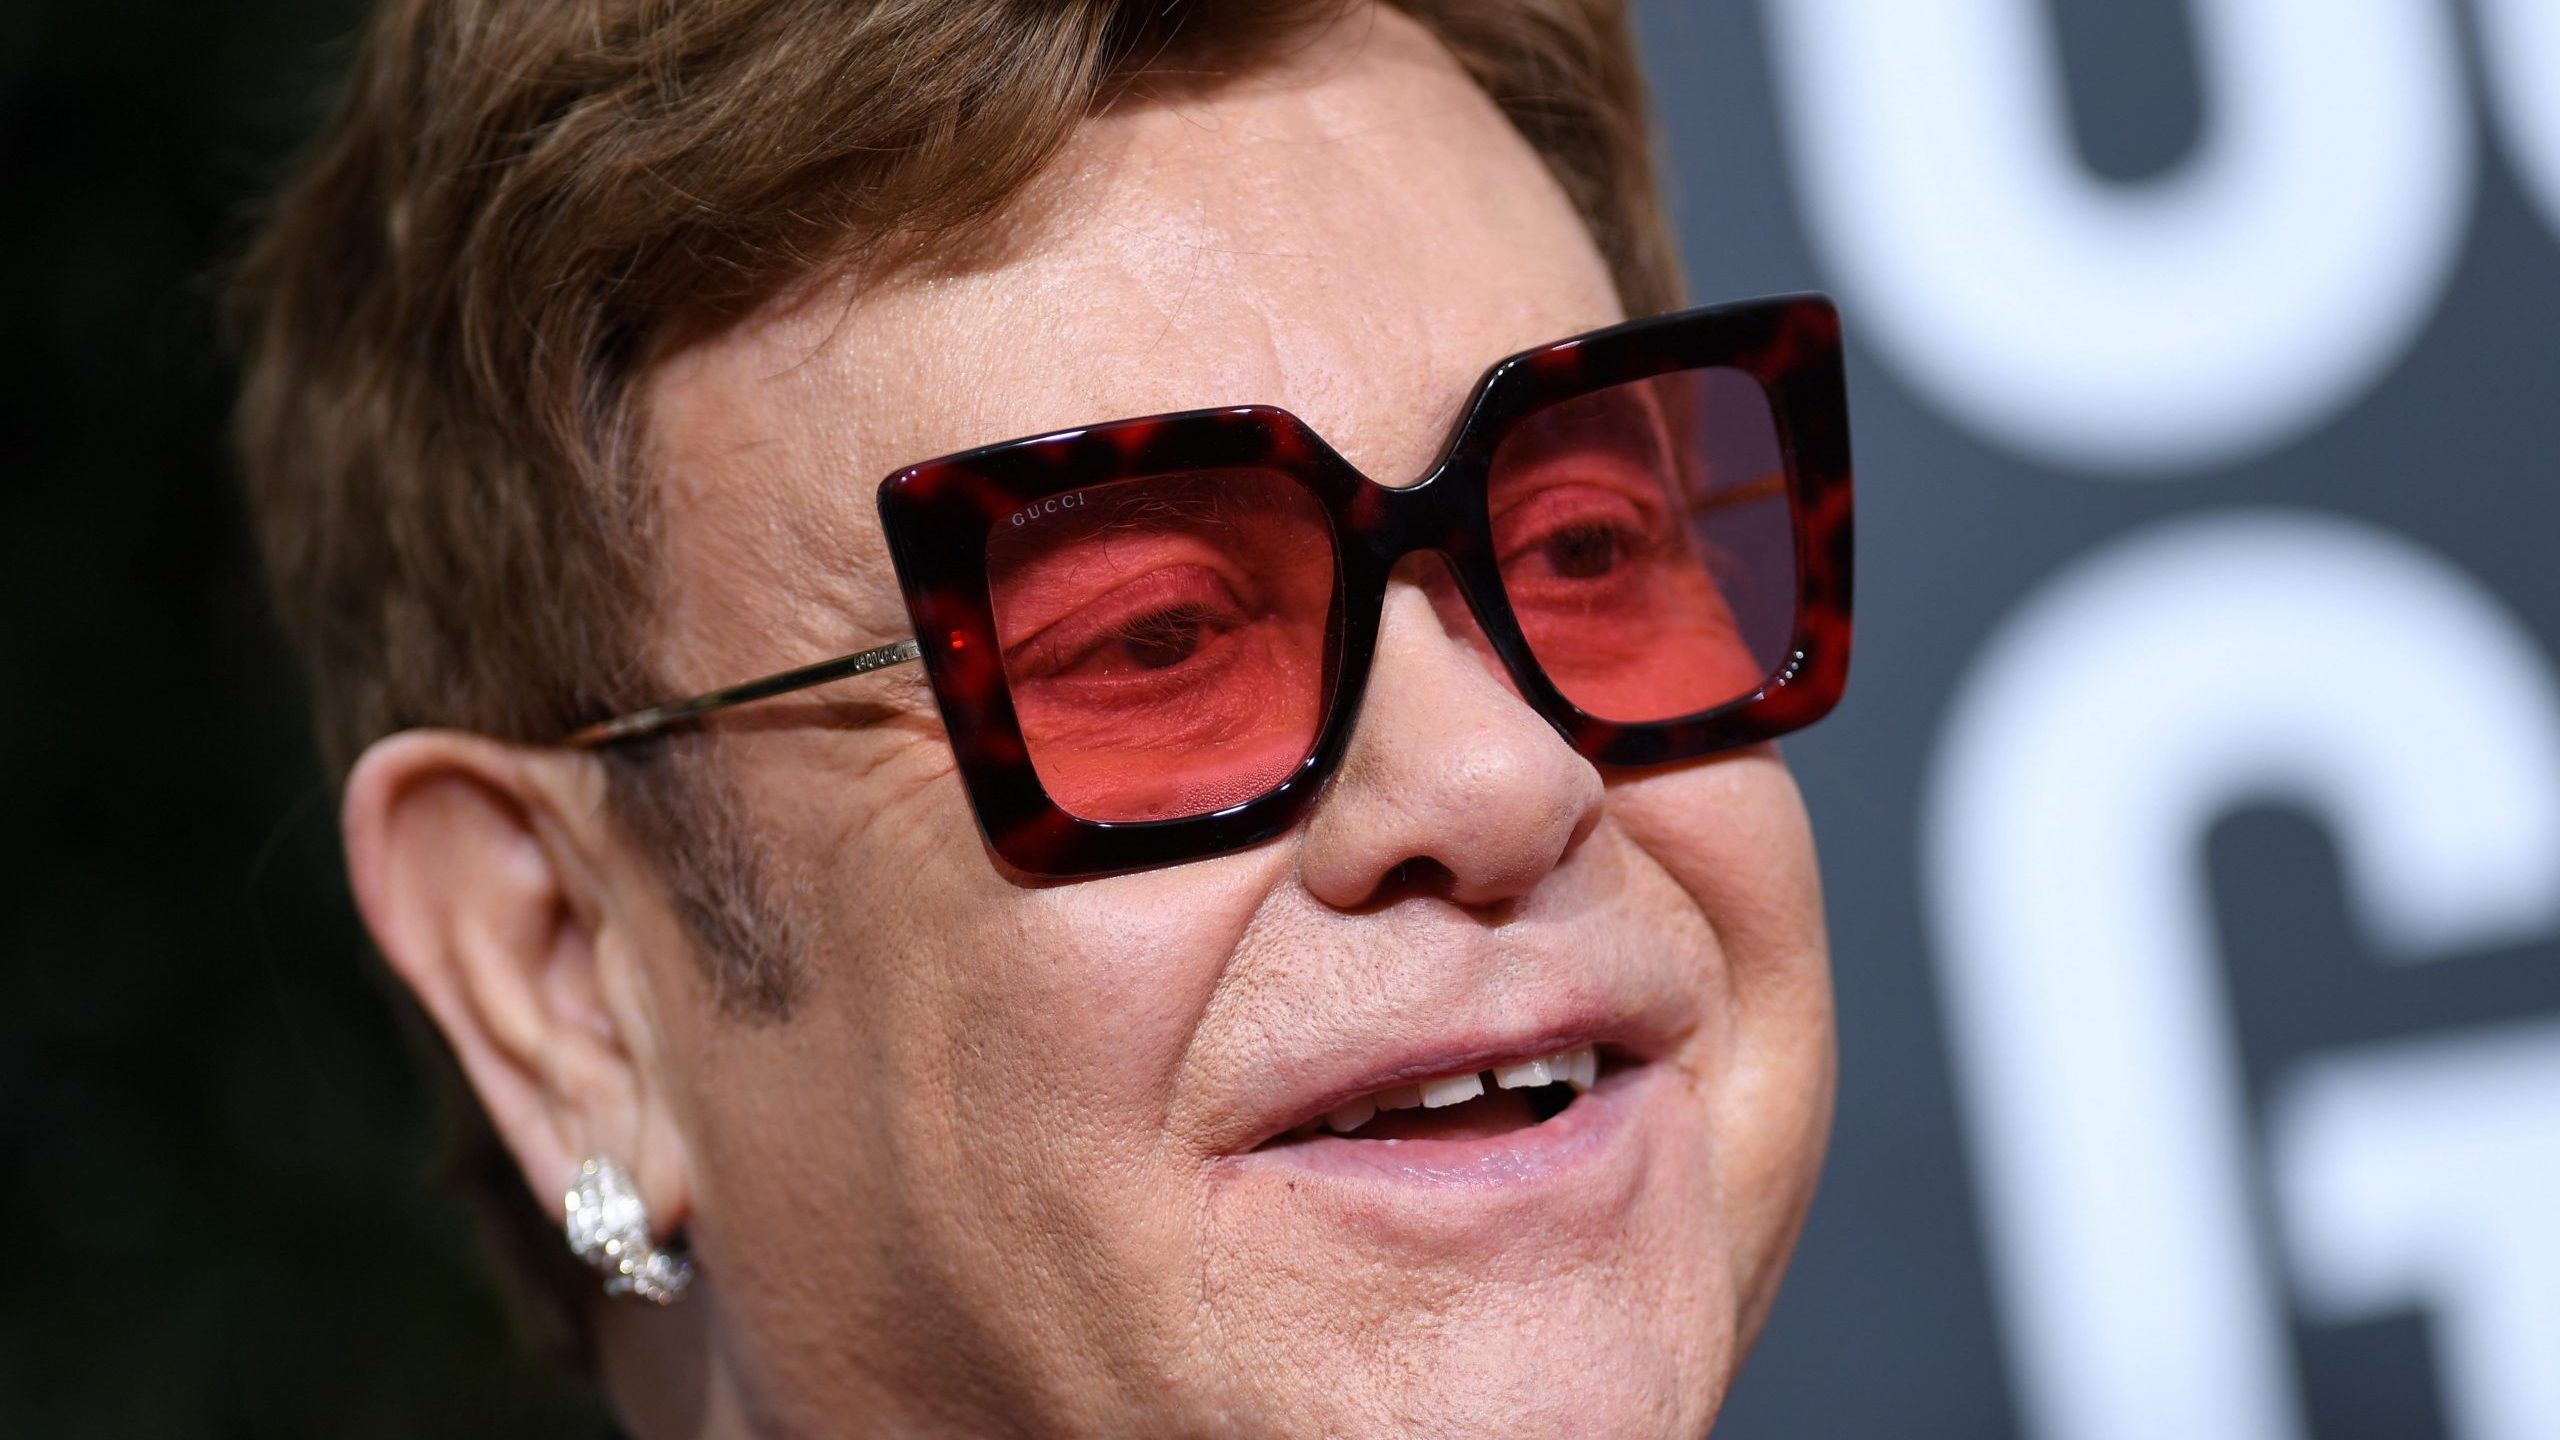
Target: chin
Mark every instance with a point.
(1561, 1359)
(1524, 1270)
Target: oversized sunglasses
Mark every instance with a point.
(1149, 638)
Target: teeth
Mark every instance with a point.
(1456, 1090)
(1586, 1068)
(1352, 1116)
(1578, 1067)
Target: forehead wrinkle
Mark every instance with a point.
(1147, 328)
(1224, 331)
(1387, 394)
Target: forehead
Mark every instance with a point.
(1354, 235)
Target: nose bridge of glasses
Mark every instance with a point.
(1417, 535)
(1390, 522)
(1421, 534)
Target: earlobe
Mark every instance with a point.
(479, 869)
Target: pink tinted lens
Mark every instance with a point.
(1647, 544)
(1164, 639)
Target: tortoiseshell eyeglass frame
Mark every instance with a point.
(938, 515)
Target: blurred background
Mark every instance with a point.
(2193, 827)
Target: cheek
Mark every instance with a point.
(1075, 1005)
(1051, 1019)
(1733, 835)
(1039, 1185)
(966, 1116)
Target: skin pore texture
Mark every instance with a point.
(997, 1171)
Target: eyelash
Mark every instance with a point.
(1053, 656)
(1617, 511)
(1146, 628)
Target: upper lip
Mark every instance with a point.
(1310, 1090)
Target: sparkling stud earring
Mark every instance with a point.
(609, 1229)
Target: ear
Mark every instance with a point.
(485, 874)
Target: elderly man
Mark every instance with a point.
(1280, 917)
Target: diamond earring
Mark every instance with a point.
(609, 1229)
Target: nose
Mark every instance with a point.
(1449, 780)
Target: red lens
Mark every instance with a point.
(1164, 639)
(1647, 544)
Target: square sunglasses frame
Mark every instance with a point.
(938, 516)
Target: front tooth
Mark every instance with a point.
(1403, 1097)
(1456, 1090)
(1583, 1065)
(1352, 1116)
(1527, 1075)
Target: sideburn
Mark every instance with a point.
(674, 797)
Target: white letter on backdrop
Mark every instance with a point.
(2426, 1173)
(2521, 39)
(2191, 320)
(2132, 701)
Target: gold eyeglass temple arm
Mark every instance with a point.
(656, 718)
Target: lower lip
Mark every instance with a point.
(1579, 1136)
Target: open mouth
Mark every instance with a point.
(1472, 1105)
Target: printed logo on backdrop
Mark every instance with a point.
(2157, 330)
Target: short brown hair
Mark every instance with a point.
(519, 202)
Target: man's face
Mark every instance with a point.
(1010, 1163)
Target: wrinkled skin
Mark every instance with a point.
(984, 1179)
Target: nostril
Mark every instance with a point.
(1422, 877)
(1417, 875)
